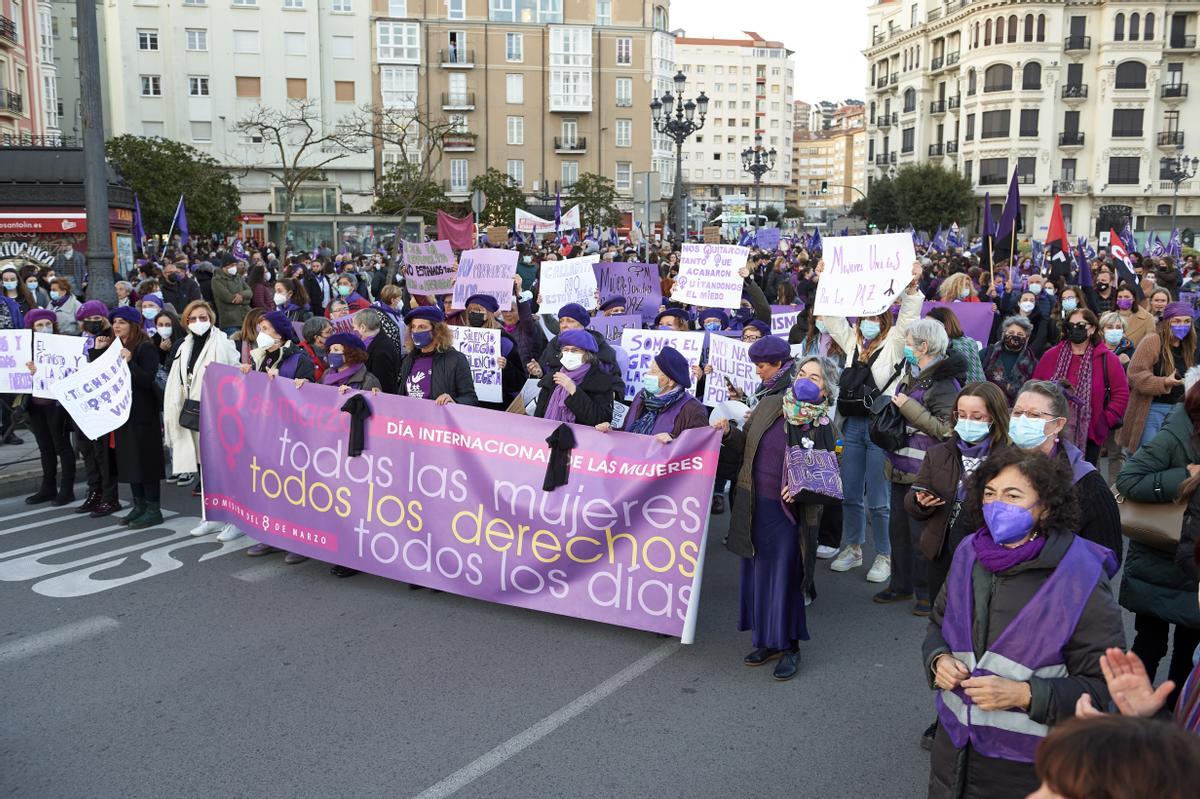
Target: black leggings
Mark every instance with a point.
(51, 426)
(147, 492)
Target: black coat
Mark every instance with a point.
(139, 441)
(551, 362)
(451, 375)
(592, 402)
(180, 292)
(383, 361)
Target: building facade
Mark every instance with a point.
(750, 84)
(833, 159)
(543, 90)
(1081, 99)
(189, 70)
(26, 59)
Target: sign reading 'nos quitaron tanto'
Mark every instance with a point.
(709, 275)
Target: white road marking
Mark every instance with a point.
(80, 488)
(39, 643)
(256, 574)
(523, 740)
(6, 520)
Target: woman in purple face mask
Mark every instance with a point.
(1016, 634)
(1138, 321)
(1156, 375)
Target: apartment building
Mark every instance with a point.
(540, 89)
(26, 71)
(750, 83)
(189, 70)
(834, 157)
(1083, 100)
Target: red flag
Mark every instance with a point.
(1120, 255)
(459, 232)
(1057, 248)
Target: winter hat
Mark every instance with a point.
(674, 366)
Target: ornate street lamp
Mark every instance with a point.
(676, 119)
(1177, 169)
(758, 162)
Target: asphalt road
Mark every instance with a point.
(152, 664)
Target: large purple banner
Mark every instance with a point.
(448, 497)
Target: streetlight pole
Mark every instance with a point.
(757, 163)
(95, 169)
(1177, 169)
(678, 126)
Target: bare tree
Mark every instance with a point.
(296, 145)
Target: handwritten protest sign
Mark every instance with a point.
(611, 327)
(784, 317)
(568, 281)
(864, 275)
(975, 318)
(497, 234)
(708, 275)
(730, 360)
(55, 357)
(712, 234)
(643, 345)
(489, 271)
(767, 238)
(98, 395)
(429, 267)
(638, 283)
(15, 352)
(481, 346)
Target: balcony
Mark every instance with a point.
(8, 30)
(1072, 187)
(458, 102)
(10, 103)
(1079, 43)
(460, 142)
(883, 122)
(877, 39)
(894, 79)
(937, 63)
(1170, 138)
(570, 145)
(881, 83)
(1076, 92)
(1174, 91)
(936, 150)
(458, 58)
(951, 59)
(951, 148)
(455, 189)
(937, 107)
(993, 180)
(1070, 139)
(954, 102)
(1025, 180)
(53, 140)
(881, 159)
(1166, 185)
(1181, 42)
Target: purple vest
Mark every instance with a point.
(1030, 646)
(663, 423)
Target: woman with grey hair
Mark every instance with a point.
(125, 295)
(1009, 363)
(926, 401)
(1115, 329)
(315, 330)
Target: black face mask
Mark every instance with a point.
(1101, 287)
(94, 327)
(1077, 333)
(1014, 343)
(476, 319)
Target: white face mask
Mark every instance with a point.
(200, 328)
(165, 332)
(1027, 306)
(280, 299)
(1035, 288)
(572, 360)
(231, 270)
(265, 340)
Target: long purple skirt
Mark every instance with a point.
(772, 603)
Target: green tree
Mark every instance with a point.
(596, 197)
(160, 170)
(882, 210)
(928, 195)
(504, 197)
(405, 190)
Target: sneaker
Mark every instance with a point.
(921, 608)
(228, 533)
(185, 479)
(887, 596)
(258, 550)
(205, 528)
(881, 570)
(849, 558)
(292, 558)
(171, 479)
(825, 553)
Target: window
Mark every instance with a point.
(198, 86)
(1127, 122)
(151, 85)
(197, 39)
(342, 6)
(1119, 28)
(456, 9)
(993, 171)
(246, 3)
(294, 43)
(570, 69)
(1124, 171)
(660, 18)
(515, 169)
(514, 47)
(624, 132)
(153, 128)
(1029, 27)
(397, 8)
(398, 41)
(570, 173)
(246, 42)
(1131, 75)
(201, 130)
(1029, 122)
(997, 78)
(343, 91)
(994, 124)
(516, 130)
(1149, 28)
(910, 100)
(1041, 28)
(624, 50)
(624, 93)
(1026, 169)
(398, 86)
(457, 89)
(624, 181)
(297, 88)
(525, 11)
(192, 3)
(52, 108)
(1135, 24)
(293, 3)
(969, 169)
(970, 82)
(248, 87)
(458, 175)
(514, 89)
(1031, 76)
(343, 47)
(907, 140)
(603, 12)
(147, 39)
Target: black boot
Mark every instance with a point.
(718, 504)
(44, 494)
(90, 502)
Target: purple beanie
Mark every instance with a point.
(91, 308)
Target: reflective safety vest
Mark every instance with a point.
(1031, 646)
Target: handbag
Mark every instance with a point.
(189, 415)
(1155, 524)
(887, 426)
(813, 475)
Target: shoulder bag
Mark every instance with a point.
(887, 427)
(1155, 524)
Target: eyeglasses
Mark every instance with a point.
(1027, 414)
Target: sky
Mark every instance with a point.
(827, 37)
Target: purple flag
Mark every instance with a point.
(139, 231)
(1010, 220)
(181, 222)
(239, 250)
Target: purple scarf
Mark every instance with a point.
(340, 376)
(556, 408)
(997, 558)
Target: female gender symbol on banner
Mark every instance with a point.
(229, 410)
